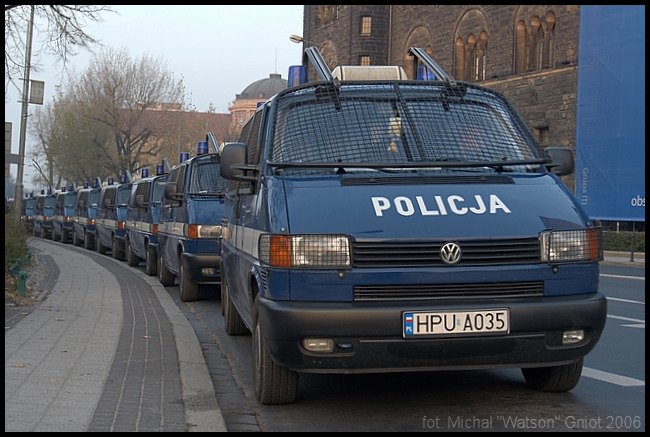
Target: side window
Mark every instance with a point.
(108, 198)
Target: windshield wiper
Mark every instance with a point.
(219, 194)
(438, 163)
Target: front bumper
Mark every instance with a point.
(368, 338)
(195, 263)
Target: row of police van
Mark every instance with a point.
(366, 222)
(171, 220)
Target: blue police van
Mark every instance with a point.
(110, 222)
(142, 218)
(189, 228)
(27, 215)
(380, 225)
(85, 212)
(63, 218)
(43, 212)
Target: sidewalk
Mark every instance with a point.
(107, 350)
(624, 258)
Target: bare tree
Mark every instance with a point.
(117, 112)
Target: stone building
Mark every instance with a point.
(527, 52)
(246, 102)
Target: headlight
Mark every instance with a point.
(203, 231)
(305, 251)
(571, 245)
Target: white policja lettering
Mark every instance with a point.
(457, 205)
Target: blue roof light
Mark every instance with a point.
(184, 157)
(297, 75)
(425, 74)
(145, 173)
(203, 148)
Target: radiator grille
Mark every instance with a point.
(427, 254)
(497, 290)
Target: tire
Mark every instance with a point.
(273, 384)
(224, 290)
(75, 240)
(53, 235)
(101, 249)
(131, 258)
(189, 290)
(165, 277)
(150, 267)
(234, 325)
(117, 254)
(554, 379)
(64, 236)
(88, 243)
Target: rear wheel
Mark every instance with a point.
(189, 290)
(274, 384)
(554, 379)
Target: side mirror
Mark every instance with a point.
(233, 154)
(562, 161)
(171, 193)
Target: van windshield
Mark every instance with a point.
(93, 199)
(206, 179)
(70, 200)
(397, 124)
(123, 194)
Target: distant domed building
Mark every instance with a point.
(261, 90)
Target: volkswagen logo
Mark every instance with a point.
(450, 253)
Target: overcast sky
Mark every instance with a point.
(217, 51)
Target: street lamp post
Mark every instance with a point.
(18, 196)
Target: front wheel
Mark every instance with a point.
(554, 379)
(165, 277)
(99, 247)
(233, 323)
(117, 254)
(274, 384)
(150, 267)
(131, 258)
(189, 290)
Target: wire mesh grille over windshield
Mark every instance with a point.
(395, 123)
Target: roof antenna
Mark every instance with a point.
(276, 60)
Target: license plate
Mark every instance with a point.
(455, 322)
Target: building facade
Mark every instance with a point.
(527, 52)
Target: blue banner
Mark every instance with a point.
(610, 136)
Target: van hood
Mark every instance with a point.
(466, 206)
